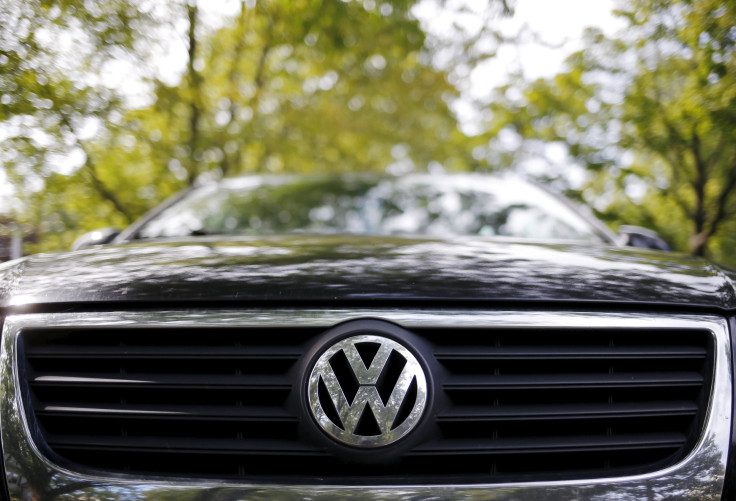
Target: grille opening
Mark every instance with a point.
(210, 397)
(572, 396)
(322, 468)
(101, 426)
(511, 404)
(246, 467)
(561, 428)
(541, 367)
(592, 462)
(122, 366)
(561, 336)
(168, 337)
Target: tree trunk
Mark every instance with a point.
(194, 80)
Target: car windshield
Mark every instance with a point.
(418, 205)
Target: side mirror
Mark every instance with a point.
(97, 237)
(636, 236)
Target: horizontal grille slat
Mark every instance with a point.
(552, 444)
(557, 381)
(166, 352)
(478, 352)
(183, 445)
(173, 412)
(165, 381)
(507, 404)
(569, 411)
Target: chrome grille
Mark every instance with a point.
(182, 400)
(510, 403)
(597, 402)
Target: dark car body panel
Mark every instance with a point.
(334, 269)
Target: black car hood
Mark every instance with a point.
(335, 269)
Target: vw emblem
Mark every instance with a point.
(367, 391)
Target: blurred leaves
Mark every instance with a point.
(651, 116)
(282, 86)
(54, 56)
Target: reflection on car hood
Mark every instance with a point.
(334, 269)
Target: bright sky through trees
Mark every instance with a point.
(550, 32)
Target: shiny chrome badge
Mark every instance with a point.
(367, 391)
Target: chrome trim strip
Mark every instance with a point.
(699, 476)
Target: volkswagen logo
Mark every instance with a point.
(367, 391)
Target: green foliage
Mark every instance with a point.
(328, 85)
(337, 91)
(284, 86)
(652, 117)
(52, 100)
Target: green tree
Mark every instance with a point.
(54, 55)
(651, 115)
(283, 86)
(343, 89)
(681, 108)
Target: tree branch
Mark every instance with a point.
(676, 140)
(677, 164)
(723, 197)
(194, 85)
(260, 69)
(91, 169)
(701, 179)
(681, 203)
(676, 178)
(233, 79)
(717, 153)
